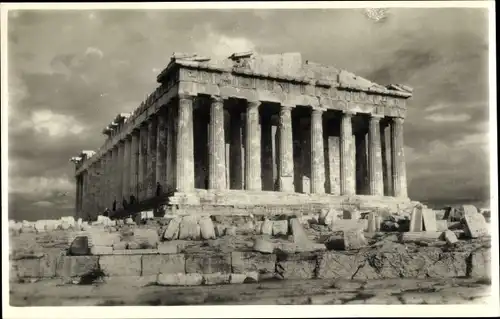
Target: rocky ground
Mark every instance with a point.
(386, 265)
(140, 291)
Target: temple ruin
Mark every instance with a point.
(249, 131)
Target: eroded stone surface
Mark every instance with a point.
(72, 266)
(479, 264)
(165, 264)
(121, 265)
(180, 279)
(208, 263)
(242, 262)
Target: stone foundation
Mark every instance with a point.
(425, 263)
(262, 202)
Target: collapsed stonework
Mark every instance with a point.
(183, 249)
(250, 132)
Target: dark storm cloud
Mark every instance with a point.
(71, 72)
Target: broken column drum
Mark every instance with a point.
(237, 128)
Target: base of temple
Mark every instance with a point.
(267, 202)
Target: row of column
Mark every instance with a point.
(217, 170)
(161, 152)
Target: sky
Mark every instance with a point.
(71, 72)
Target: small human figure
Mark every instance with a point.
(114, 205)
(158, 189)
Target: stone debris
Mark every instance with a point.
(172, 231)
(351, 214)
(476, 225)
(372, 223)
(416, 221)
(267, 227)
(263, 246)
(450, 237)
(409, 237)
(129, 221)
(441, 225)
(237, 278)
(389, 226)
(258, 227)
(348, 224)
(79, 246)
(219, 230)
(230, 231)
(189, 228)
(469, 210)
(429, 220)
(354, 239)
(280, 227)
(207, 229)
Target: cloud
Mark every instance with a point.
(220, 46)
(52, 124)
(448, 117)
(94, 51)
(43, 203)
(40, 186)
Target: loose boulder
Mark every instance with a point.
(354, 240)
(172, 231)
(267, 227)
(263, 246)
(207, 228)
(280, 227)
(179, 279)
(189, 228)
(79, 246)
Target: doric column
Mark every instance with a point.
(347, 161)
(253, 179)
(375, 158)
(285, 164)
(126, 169)
(185, 145)
(317, 153)
(236, 151)
(114, 169)
(119, 173)
(134, 163)
(398, 158)
(216, 145)
(161, 149)
(142, 166)
(151, 161)
(84, 198)
(98, 189)
(77, 196)
(172, 115)
(104, 181)
(386, 158)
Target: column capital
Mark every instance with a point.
(348, 113)
(185, 96)
(318, 110)
(399, 120)
(253, 104)
(376, 117)
(216, 99)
